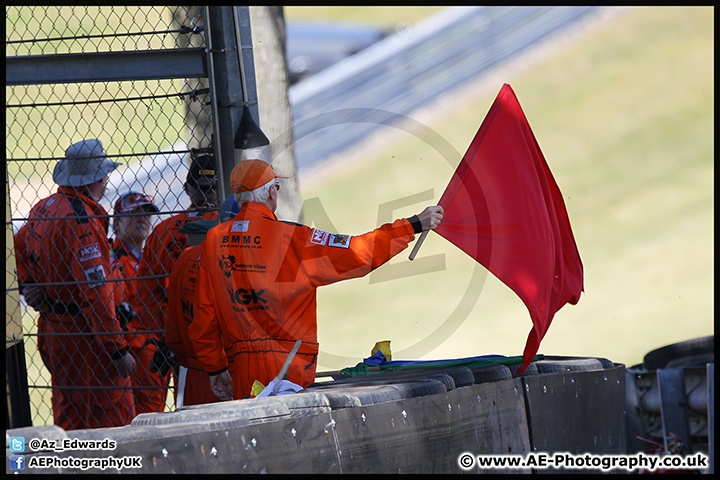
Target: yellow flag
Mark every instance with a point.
(257, 387)
(383, 346)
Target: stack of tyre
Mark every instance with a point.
(417, 382)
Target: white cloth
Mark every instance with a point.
(286, 388)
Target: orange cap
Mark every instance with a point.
(251, 174)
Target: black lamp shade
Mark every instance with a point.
(248, 134)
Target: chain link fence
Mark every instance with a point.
(150, 126)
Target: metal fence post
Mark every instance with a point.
(232, 90)
(18, 398)
(711, 414)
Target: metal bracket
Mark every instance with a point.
(673, 407)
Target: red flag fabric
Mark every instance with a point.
(504, 209)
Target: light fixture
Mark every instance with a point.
(250, 141)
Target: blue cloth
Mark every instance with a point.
(378, 358)
(228, 209)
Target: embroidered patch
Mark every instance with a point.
(318, 237)
(95, 275)
(341, 241)
(226, 264)
(240, 226)
(88, 252)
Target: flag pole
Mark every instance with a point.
(417, 244)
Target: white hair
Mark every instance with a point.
(260, 195)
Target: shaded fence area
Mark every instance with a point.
(129, 76)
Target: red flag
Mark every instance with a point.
(504, 209)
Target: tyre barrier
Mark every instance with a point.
(529, 371)
(458, 377)
(239, 412)
(606, 363)
(491, 373)
(354, 394)
(462, 376)
(390, 422)
(386, 378)
(572, 365)
(690, 353)
(549, 367)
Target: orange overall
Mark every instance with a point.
(181, 300)
(66, 245)
(146, 400)
(257, 287)
(161, 250)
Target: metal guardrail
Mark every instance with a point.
(345, 103)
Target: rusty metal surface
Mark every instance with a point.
(646, 404)
(428, 434)
(577, 412)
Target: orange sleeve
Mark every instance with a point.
(326, 258)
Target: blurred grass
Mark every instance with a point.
(624, 116)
